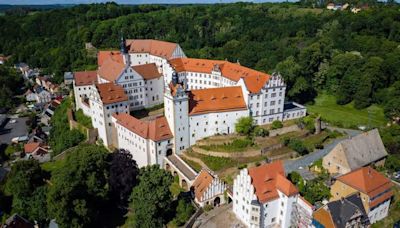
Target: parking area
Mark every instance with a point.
(13, 129)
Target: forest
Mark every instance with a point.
(354, 56)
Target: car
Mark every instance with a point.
(301, 167)
(12, 121)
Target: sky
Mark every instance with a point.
(45, 2)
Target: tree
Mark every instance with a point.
(123, 174)
(298, 146)
(392, 108)
(245, 125)
(151, 198)
(79, 187)
(184, 210)
(26, 184)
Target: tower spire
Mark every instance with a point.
(123, 44)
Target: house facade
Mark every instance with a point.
(263, 197)
(208, 189)
(353, 153)
(374, 188)
(148, 141)
(105, 100)
(345, 212)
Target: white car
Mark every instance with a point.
(12, 121)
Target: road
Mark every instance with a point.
(293, 165)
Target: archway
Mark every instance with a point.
(169, 152)
(167, 167)
(184, 184)
(175, 173)
(217, 201)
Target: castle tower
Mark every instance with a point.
(124, 51)
(176, 108)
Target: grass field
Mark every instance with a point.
(346, 115)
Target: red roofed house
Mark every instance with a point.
(208, 189)
(375, 191)
(105, 100)
(147, 141)
(34, 149)
(263, 197)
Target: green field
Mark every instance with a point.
(346, 115)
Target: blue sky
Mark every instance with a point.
(43, 2)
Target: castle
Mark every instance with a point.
(201, 98)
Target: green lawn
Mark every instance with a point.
(237, 145)
(346, 115)
(194, 165)
(53, 165)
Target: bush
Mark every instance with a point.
(298, 146)
(259, 131)
(285, 141)
(276, 124)
(243, 166)
(208, 207)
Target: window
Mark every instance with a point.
(273, 219)
(272, 103)
(273, 95)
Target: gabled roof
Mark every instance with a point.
(147, 71)
(201, 183)
(31, 147)
(254, 80)
(111, 93)
(102, 56)
(223, 99)
(111, 69)
(154, 47)
(267, 179)
(368, 181)
(83, 78)
(156, 129)
(363, 149)
(344, 210)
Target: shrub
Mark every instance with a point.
(277, 124)
(208, 207)
(259, 131)
(285, 140)
(298, 146)
(243, 166)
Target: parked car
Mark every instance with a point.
(12, 121)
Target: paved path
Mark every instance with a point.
(220, 217)
(182, 167)
(292, 165)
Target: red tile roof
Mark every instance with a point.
(216, 100)
(201, 183)
(154, 47)
(156, 129)
(83, 78)
(111, 93)
(31, 147)
(102, 56)
(267, 179)
(147, 71)
(367, 180)
(253, 79)
(111, 69)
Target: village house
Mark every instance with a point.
(374, 188)
(68, 78)
(263, 197)
(149, 141)
(208, 189)
(345, 212)
(359, 151)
